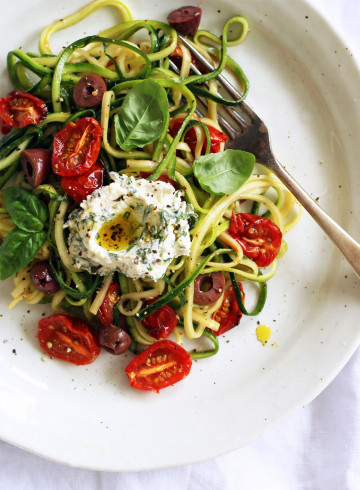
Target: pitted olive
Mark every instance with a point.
(185, 20)
(36, 164)
(42, 278)
(114, 339)
(208, 288)
(89, 91)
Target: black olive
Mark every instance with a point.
(36, 164)
(42, 278)
(89, 91)
(114, 339)
(185, 20)
(208, 288)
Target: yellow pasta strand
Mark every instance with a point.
(44, 43)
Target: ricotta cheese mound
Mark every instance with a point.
(132, 226)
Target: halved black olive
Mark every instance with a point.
(185, 20)
(36, 164)
(42, 278)
(208, 287)
(114, 339)
(89, 91)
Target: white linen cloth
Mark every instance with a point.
(317, 448)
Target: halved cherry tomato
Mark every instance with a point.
(106, 310)
(19, 109)
(68, 338)
(216, 136)
(177, 56)
(259, 238)
(229, 314)
(161, 323)
(4, 128)
(162, 364)
(80, 186)
(76, 147)
(163, 178)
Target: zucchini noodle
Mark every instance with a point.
(100, 296)
(24, 289)
(59, 237)
(140, 294)
(44, 42)
(125, 56)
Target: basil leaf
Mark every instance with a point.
(224, 172)
(18, 249)
(142, 116)
(27, 211)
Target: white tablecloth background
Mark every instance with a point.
(317, 448)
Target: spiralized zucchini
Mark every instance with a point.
(124, 55)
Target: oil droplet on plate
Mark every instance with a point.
(263, 334)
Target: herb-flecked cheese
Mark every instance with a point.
(133, 226)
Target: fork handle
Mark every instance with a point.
(344, 242)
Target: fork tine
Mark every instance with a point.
(235, 115)
(202, 100)
(229, 87)
(225, 83)
(223, 122)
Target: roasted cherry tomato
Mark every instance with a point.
(161, 323)
(68, 338)
(216, 137)
(229, 314)
(76, 147)
(163, 178)
(162, 364)
(106, 310)
(259, 237)
(4, 128)
(20, 109)
(80, 186)
(177, 56)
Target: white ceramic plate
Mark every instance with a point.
(304, 84)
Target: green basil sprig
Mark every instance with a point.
(28, 212)
(22, 243)
(224, 172)
(142, 116)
